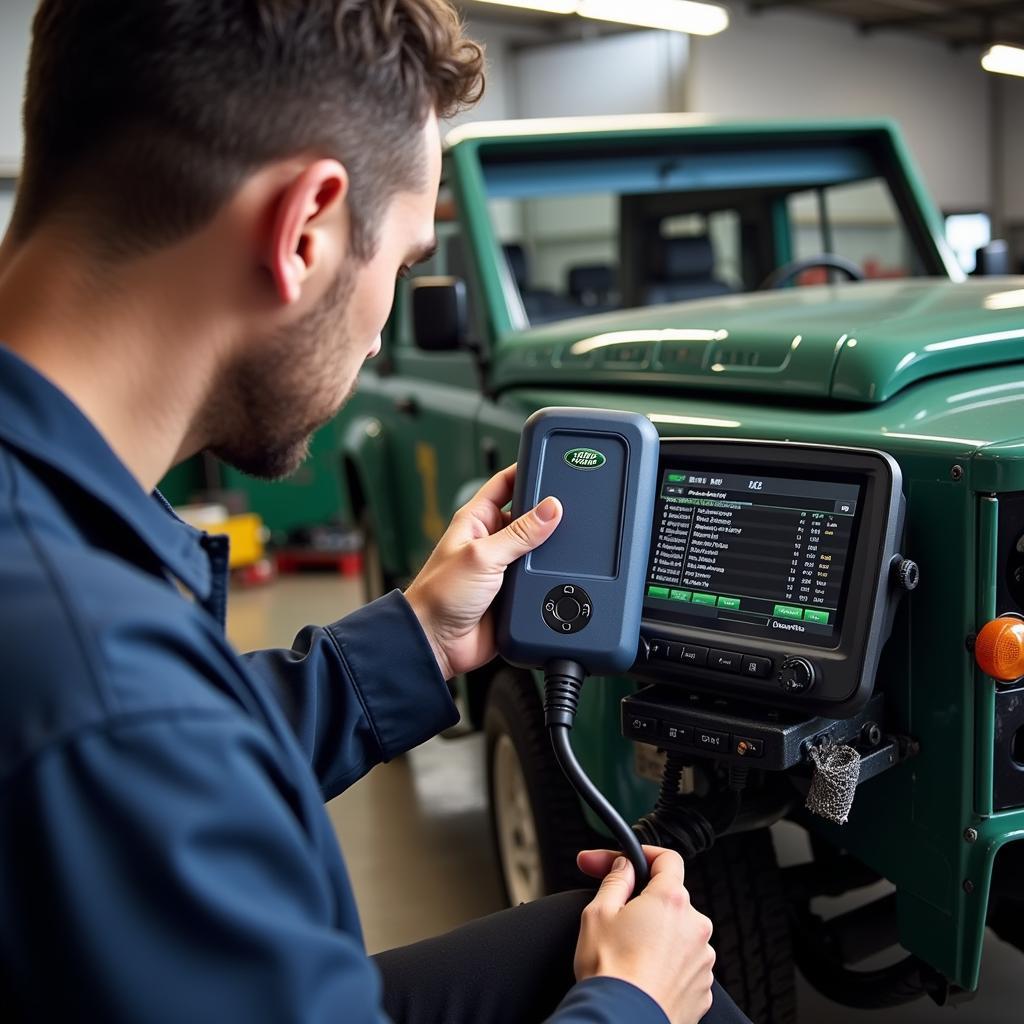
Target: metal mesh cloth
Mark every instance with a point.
(834, 783)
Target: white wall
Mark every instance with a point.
(1012, 131)
(786, 65)
(15, 25)
(500, 40)
(635, 73)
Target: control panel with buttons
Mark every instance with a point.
(734, 731)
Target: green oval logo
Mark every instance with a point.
(584, 458)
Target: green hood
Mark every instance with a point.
(860, 342)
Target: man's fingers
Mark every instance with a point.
(667, 871)
(597, 863)
(617, 886)
(524, 534)
(498, 490)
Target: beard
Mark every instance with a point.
(273, 400)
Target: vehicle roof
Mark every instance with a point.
(641, 125)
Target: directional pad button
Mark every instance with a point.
(567, 608)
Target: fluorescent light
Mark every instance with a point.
(547, 6)
(1004, 60)
(672, 15)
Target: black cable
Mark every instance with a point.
(563, 681)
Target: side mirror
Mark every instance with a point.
(440, 318)
(993, 259)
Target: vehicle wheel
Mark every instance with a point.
(376, 582)
(537, 823)
(738, 885)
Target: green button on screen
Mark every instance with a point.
(677, 478)
(813, 615)
(681, 595)
(709, 599)
(729, 602)
(661, 592)
(786, 611)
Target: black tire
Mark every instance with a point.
(514, 716)
(738, 885)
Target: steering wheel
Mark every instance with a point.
(783, 275)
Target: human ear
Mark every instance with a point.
(298, 238)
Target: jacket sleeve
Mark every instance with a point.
(360, 691)
(155, 870)
(607, 1001)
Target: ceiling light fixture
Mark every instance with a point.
(1004, 60)
(671, 15)
(546, 6)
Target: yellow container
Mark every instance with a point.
(246, 535)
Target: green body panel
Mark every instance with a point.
(182, 482)
(312, 496)
(862, 342)
(930, 371)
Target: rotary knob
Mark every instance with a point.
(905, 573)
(796, 675)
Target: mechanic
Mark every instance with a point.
(216, 198)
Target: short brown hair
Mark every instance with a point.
(144, 116)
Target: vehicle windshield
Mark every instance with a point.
(591, 233)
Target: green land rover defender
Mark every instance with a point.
(777, 284)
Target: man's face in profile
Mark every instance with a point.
(283, 391)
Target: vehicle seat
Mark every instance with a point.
(542, 305)
(593, 286)
(681, 269)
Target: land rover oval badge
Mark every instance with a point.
(584, 458)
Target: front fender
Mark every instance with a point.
(364, 451)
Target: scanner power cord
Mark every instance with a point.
(563, 681)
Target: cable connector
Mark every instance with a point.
(563, 681)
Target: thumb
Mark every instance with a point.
(524, 534)
(617, 886)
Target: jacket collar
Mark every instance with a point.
(39, 420)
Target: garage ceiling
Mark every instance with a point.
(956, 22)
(960, 23)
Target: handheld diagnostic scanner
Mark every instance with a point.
(580, 595)
(573, 606)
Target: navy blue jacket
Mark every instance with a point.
(164, 850)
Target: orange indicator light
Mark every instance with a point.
(999, 648)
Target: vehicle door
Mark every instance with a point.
(432, 398)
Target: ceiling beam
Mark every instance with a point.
(984, 13)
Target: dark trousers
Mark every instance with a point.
(513, 967)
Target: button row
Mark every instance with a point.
(693, 597)
(722, 661)
(789, 611)
(650, 730)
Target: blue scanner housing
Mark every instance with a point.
(580, 595)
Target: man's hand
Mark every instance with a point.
(657, 942)
(453, 593)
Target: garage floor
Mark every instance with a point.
(416, 840)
